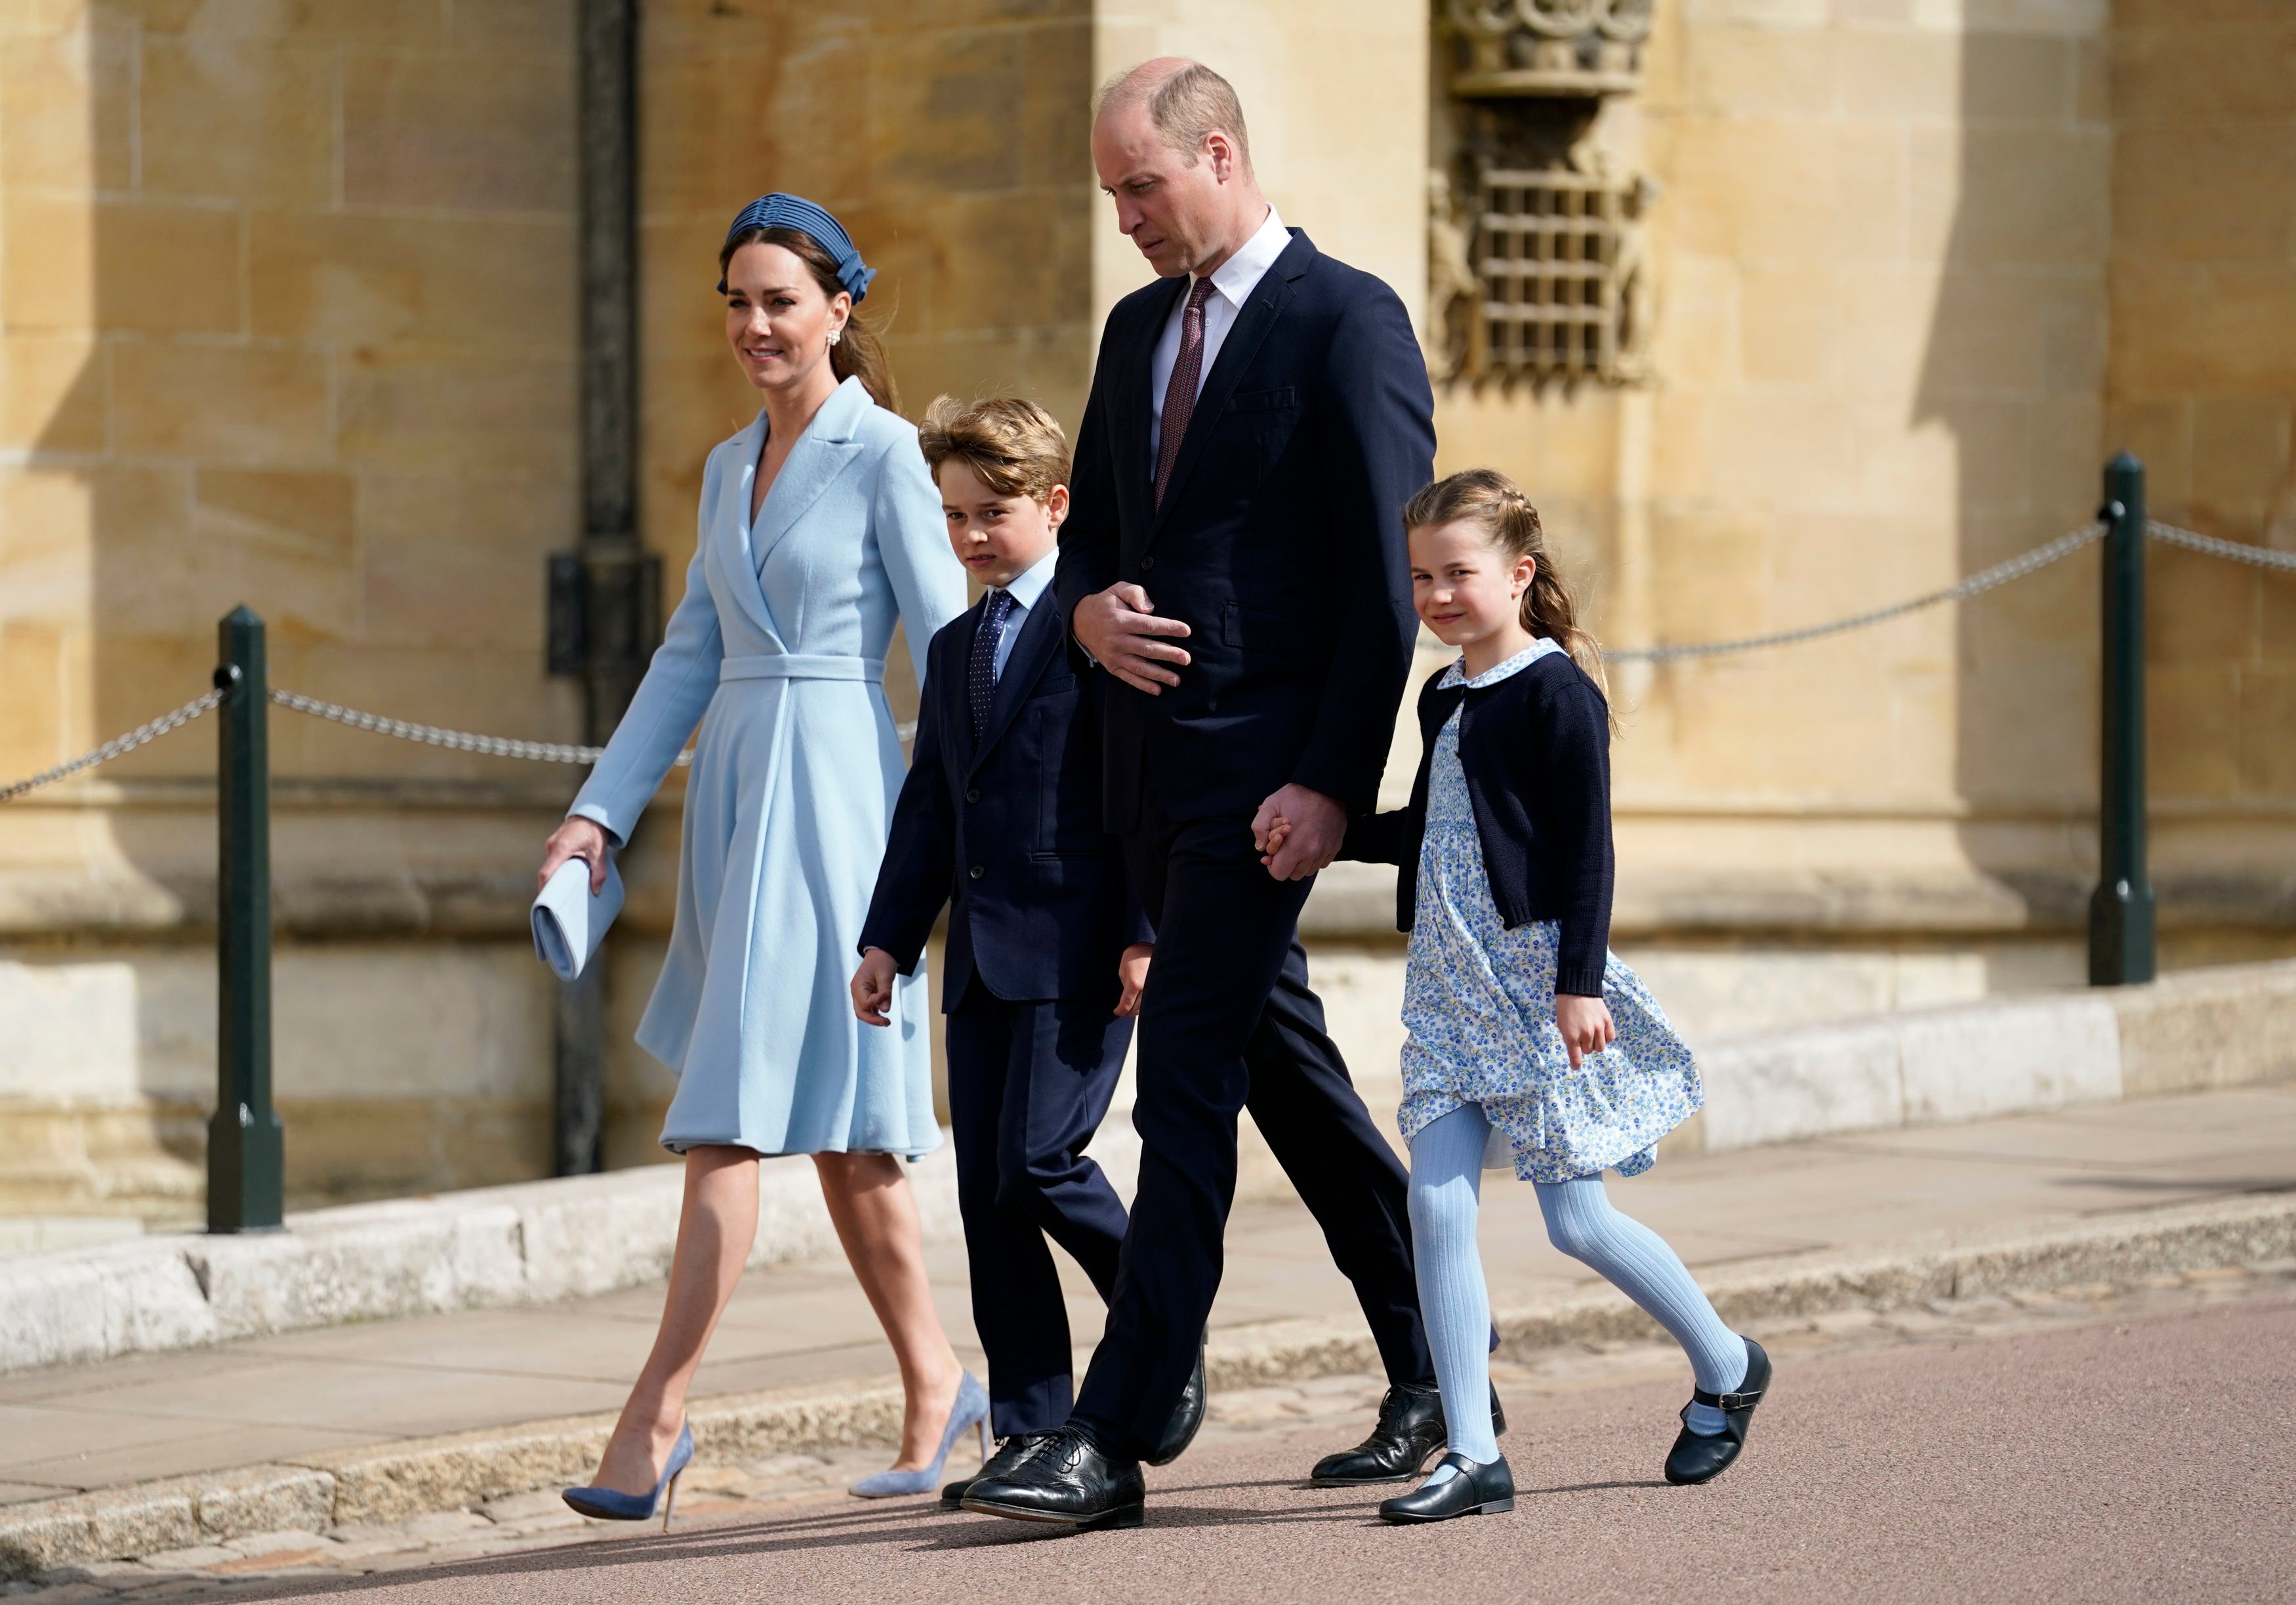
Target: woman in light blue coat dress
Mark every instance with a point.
(819, 528)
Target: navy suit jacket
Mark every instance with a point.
(1279, 540)
(1007, 828)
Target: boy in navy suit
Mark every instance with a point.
(1001, 816)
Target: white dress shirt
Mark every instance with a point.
(1233, 283)
(1028, 587)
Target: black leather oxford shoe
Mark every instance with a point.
(1187, 1416)
(1063, 1478)
(1410, 1429)
(1476, 1491)
(1696, 1458)
(1007, 1456)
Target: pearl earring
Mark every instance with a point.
(836, 335)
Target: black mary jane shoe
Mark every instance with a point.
(1410, 1429)
(1064, 1479)
(1697, 1458)
(1187, 1415)
(1008, 1455)
(1475, 1491)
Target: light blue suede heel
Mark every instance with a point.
(608, 1504)
(970, 1411)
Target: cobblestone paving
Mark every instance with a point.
(272, 1563)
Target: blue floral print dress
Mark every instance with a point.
(1478, 1006)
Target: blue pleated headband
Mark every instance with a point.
(794, 211)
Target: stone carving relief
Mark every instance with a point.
(1536, 265)
(1589, 47)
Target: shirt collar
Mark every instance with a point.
(1029, 583)
(1234, 278)
(1456, 675)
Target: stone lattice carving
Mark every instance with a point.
(1537, 271)
(1560, 268)
(1564, 47)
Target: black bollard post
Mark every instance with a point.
(245, 1148)
(2120, 929)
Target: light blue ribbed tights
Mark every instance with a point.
(1446, 1171)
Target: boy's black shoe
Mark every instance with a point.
(1063, 1478)
(1696, 1458)
(1411, 1427)
(1476, 1491)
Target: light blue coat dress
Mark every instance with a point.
(777, 650)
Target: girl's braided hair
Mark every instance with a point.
(1496, 504)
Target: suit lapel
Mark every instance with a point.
(737, 566)
(822, 452)
(1136, 466)
(1041, 635)
(947, 681)
(1260, 311)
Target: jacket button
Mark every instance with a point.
(1146, 564)
(976, 872)
(973, 794)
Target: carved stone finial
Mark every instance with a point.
(1547, 47)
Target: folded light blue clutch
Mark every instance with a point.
(568, 923)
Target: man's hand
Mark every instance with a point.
(1119, 628)
(873, 987)
(1313, 826)
(1584, 1024)
(1132, 975)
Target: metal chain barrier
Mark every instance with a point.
(461, 741)
(138, 737)
(2236, 551)
(552, 752)
(465, 741)
(1984, 580)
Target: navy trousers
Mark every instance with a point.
(1028, 1085)
(1229, 1023)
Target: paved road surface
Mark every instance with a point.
(2143, 1456)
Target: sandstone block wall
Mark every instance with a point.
(287, 316)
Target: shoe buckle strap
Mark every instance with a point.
(1726, 1401)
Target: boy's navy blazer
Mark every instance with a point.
(1007, 828)
(1279, 540)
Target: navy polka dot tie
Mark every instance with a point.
(980, 679)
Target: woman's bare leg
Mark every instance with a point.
(876, 1218)
(715, 1226)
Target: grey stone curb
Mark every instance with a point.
(386, 1483)
(394, 1482)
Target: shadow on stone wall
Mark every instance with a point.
(2013, 374)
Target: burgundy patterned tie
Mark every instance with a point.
(1180, 393)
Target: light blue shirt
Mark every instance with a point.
(1027, 588)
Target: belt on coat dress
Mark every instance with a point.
(791, 665)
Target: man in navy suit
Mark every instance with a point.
(1234, 565)
(1000, 820)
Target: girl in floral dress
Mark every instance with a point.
(1527, 1041)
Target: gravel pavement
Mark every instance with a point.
(2092, 1445)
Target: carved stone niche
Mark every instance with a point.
(1536, 266)
(1541, 47)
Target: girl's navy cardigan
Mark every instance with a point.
(1536, 751)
